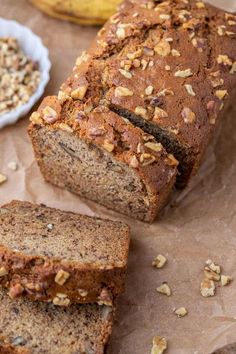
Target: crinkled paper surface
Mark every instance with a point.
(200, 223)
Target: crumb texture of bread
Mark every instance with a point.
(38, 328)
(45, 252)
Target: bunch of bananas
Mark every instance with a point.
(86, 12)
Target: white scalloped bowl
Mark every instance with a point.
(33, 47)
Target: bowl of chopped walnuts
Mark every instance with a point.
(24, 70)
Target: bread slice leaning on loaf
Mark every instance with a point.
(40, 328)
(61, 257)
(103, 157)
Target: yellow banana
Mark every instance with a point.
(87, 12)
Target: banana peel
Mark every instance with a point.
(85, 12)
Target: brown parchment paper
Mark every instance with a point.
(200, 223)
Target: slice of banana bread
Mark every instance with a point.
(40, 328)
(101, 156)
(52, 255)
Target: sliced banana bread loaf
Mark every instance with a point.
(167, 66)
(40, 328)
(101, 156)
(52, 255)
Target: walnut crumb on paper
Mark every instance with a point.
(159, 345)
(181, 312)
(225, 280)
(12, 165)
(159, 261)
(208, 288)
(164, 289)
(2, 179)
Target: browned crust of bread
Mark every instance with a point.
(35, 276)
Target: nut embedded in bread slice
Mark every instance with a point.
(52, 255)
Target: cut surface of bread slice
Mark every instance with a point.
(40, 328)
(103, 157)
(53, 255)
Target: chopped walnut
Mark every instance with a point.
(157, 147)
(233, 69)
(49, 115)
(225, 280)
(65, 127)
(175, 53)
(126, 73)
(63, 96)
(200, 5)
(147, 159)
(105, 298)
(171, 160)
(190, 90)
(159, 113)
(123, 92)
(149, 90)
(82, 292)
(12, 165)
(159, 261)
(167, 68)
(184, 73)
(213, 266)
(159, 345)
(210, 274)
(207, 288)
(140, 111)
(164, 289)
(108, 146)
(3, 178)
(82, 59)
(163, 48)
(3, 272)
(61, 277)
(79, 93)
(134, 163)
(135, 55)
(221, 94)
(224, 59)
(61, 300)
(221, 30)
(181, 312)
(188, 115)
(35, 118)
(20, 76)
(215, 79)
(120, 33)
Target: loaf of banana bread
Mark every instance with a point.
(39, 328)
(168, 67)
(62, 257)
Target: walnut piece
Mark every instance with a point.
(181, 312)
(159, 261)
(79, 93)
(134, 163)
(190, 90)
(140, 111)
(183, 73)
(49, 115)
(65, 127)
(188, 115)
(12, 165)
(163, 48)
(164, 289)
(123, 92)
(225, 280)
(3, 178)
(3, 272)
(108, 146)
(207, 288)
(154, 146)
(61, 300)
(35, 118)
(159, 345)
(61, 277)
